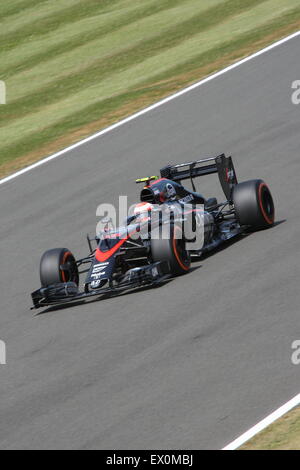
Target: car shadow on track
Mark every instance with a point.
(233, 241)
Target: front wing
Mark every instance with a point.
(63, 293)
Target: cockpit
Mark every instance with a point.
(165, 190)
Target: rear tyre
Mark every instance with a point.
(58, 265)
(254, 204)
(172, 250)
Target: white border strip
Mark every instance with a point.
(264, 424)
(150, 108)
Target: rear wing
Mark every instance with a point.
(221, 164)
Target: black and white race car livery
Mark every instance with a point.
(169, 226)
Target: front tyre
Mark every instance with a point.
(172, 250)
(254, 205)
(58, 265)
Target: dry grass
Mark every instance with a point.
(282, 435)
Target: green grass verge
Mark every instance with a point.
(73, 67)
(282, 435)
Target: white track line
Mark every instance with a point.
(264, 424)
(150, 108)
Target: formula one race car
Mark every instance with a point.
(169, 226)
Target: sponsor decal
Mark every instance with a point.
(186, 199)
(95, 284)
(99, 267)
(229, 175)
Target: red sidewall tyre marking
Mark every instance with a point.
(63, 274)
(265, 215)
(180, 262)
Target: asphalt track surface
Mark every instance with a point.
(192, 364)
